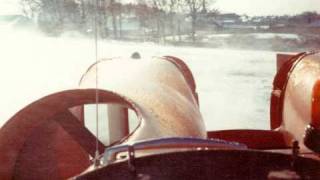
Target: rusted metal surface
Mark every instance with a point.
(49, 153)
(78, 132)
(33, 138)
(159, 88)
(47, 139)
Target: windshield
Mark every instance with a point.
(230, 46)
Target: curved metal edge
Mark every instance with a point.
(179, 63)
(186, 72)
(92, 65)
(175, 142)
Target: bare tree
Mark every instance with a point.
(170, 8)
(120, 11)
(172, 12)
(103, 18)
(30, 7)
(113, 11)
(142, 12)
(164, 17)
(194, 7)
(52, 15)
(158, 14)
(83, 13)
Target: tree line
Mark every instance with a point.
(155, 18)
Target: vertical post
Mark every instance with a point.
(118, 122)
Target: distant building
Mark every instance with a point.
(234, 22)
(314, 27)
(315, 24)
(228, 19)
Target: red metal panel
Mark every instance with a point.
(255, 139)
(279, 87)
(282, 59)
(45, 136)
(79, 133)
(50, 152)
(315, 114)
(38, 154)
(19, 137)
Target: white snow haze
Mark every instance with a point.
(234, 85)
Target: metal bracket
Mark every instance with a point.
(131, 161)
(295, 154)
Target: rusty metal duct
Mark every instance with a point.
(48, 139)
(162, 87)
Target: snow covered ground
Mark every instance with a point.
(259, 35)
(234, 85)
(287, 36)
(276, 35)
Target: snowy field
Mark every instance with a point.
(234, 85)
(259, 36)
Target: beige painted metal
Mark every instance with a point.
(118, 122)
(298, 97)
(168, 107)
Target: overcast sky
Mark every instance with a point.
(250, 7)
(267, 7)
(9, 7)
